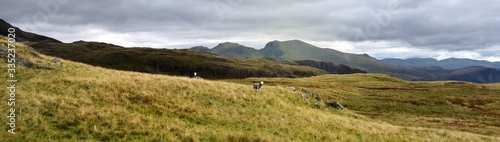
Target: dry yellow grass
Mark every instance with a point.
(80, 102)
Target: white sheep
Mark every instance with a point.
(196, 76)
(257, 86)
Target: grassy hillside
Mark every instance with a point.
(299, 50)
(75, 101)
(448, 105)
(274, 51)
(231, 50)
(171, 62)
(330, 67)
(295, 50)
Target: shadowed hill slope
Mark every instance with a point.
(172, 62)
(22, 36)
(449, 64)
(330, 67)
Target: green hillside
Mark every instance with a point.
(299, 50)
(232, 50)
(72, 101)
(448, 105)
(171, 61)
(294, 50)
(329, 67)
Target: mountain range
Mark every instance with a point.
(282, 59)
(160, 61)
(296, 50)
(172, 61)
(412, 69)
(70, 101)
(448, 64)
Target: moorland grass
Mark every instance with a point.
(448, 105)
(79, 102)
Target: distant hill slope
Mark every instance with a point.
(294, 50)
(172, 62)
(233, 50)
(298, 50)
(412, 69)
(473, 74)
(112, 56)
(22, 36)
(330, 67)
(450, 63)
(236, 50)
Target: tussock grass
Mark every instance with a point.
(448, 105)
(76, 102)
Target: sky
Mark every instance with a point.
(383, 29)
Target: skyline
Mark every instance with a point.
(392, 29)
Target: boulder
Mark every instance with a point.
(56, 61)
(19, 60)
(291, 88)
(333, 104)
(313, 94)
(305, 97)
(43, 67)
(316, 97)
(316, 105)
(33, 52)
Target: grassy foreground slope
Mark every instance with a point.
(449, 105)
(81, 102)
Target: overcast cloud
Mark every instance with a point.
(383, 29)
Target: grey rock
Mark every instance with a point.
(305, 97)
(44, 67)
(56, 61)
(333, 104)
(33, 52)
(314, 95)
(24, 62)
(4, 53)
(291, 88)
(316, 105)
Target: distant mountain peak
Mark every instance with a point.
(233, 50)
(230, 43)
(226, 45)
(422, 59)
(200, 48)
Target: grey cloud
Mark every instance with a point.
(453, 25)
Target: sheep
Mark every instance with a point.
(257, 86)
(196, 76)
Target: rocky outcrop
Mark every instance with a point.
(291, 88)
(305, 97)
(333, 104)
(4, 53)
(313, 94)
(316, 105)
(56, 61)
